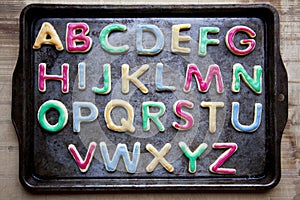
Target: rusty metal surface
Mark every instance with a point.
(46, 164)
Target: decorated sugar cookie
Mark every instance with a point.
(203, 84)
(103, 37)
(157, 48)
(250, 42)
(216, 166)
(133, 78)
(62, 119)
(212, 113)
(255, 83)
(246, 128)
(177, 109)
(126, 124)
(48, 35)
(192, 156)
(78, 42)
(107, 81)
(159, 158)
(63, 78)
(147, 115)
(83, 164)
(176, 38)
(121, 151)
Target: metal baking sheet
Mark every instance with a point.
(153, 153)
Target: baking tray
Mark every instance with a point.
(170, 119)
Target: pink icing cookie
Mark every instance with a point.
(215, 167)
(177, 109)
(83, 164)
(203, 84)
(250, 42)
(64, 77)
(78, 42)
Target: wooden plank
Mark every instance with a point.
(294, 98)
(5, 88)
(9, 155)
(292, 68)
(5, 113)
(8, 137)
(10, 188)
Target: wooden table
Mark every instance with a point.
(289, 186)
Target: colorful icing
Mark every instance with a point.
(121, 151)
(133, 78)
(62, 119)
(176, 38)
(81, 76)
(250, 42)
(78, 42)
(159, 158)
(159, 80)
(153, 116)
(83, 164)
(203, 85)
(204, 41)
(189, 120)
(126, 125)
(215, 167)
(104, 39)
(107, 81)
(64, 77)
(192, 156)
(246, 128)
(212, 113)
(78, 118)
(139, 39)
(48, 35)
(254, 83)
